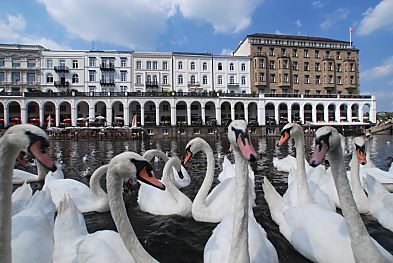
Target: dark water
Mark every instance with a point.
(178, 239)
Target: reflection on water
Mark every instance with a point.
(177, 239)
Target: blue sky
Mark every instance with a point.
(214, 26)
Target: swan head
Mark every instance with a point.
(290, 130)
(239, 138)
(326, 139)
(359, 148)
(132, 166)
(32, 139)
(195, 145)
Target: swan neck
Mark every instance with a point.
(364, 249)
(369, 148)
(41, 172)
(123, 225)
(94, 182)
(8, 154)
(239, 245)
(168, 178)
(355, 179)
(303, 192)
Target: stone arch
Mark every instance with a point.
(283, 113)
(343, 112)
(49, 113)
(65, 113)
(270, 113)
(33, 112)
(210, 113)
(366, 112)
(117, 113)
(252, 113)
(14, 113)
(196, 113)
(134, 109)
(308, 113)
(355, 112)
(164, 110)
(226, 116)
(332, 112)
(150, 113)
(295, 108)
(82, 112)
(181, 113)
(239, 111)
(320, 113)
(1, 115)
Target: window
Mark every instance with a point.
(155, 65)
(1, 76)
(338, 55)
(15, 63)
(243, 80)
(349, 55)
(306, 79)
(123, 62)
(204, 66)
(318, 92)
(294, 53)
(272, 64)
(219, 80)
(204, 80)
(271, 51)
(296, 79)
(327, 54)
(138, 79)
(75, 78)
(180, 79)
(306, 66)
(285, 64)
(180, 65)
(352, 80)
(352, 67)
(2, 62)
(272, 78)
(261, 63)
(285, 79)
(92, 88)
(165, 79)
(123, 76)
(138, 64)
(307, 92)
(283, 51)
(243, 67)
(231, 80)
(31, 63)
(30, 78)
(231, 67)
(192, 79)
(62, 63)
(15, 77)
(330, 66)
(74, 63)
(317, 66)
(165, 65)
(122, 89)
(306, 55)
(148, 65)
(219, 66)
(92, 75)
(92, 62)
(316, 53)
(296, 92)
(339, 69)
(261, 77)
(317, 79)
(49, 78)
(330, 79)
(339, 80)
(295, 65)
(192, 65)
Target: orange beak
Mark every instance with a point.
(284, 138)
(187, 157)
(42, 155)
(361, 156)
(149, 178)
(21, 159)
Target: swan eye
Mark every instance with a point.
(324, 138)
(360, 148)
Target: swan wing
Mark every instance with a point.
(19, 177)
(21, 198)
(274, 200)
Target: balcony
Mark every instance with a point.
(328, 57)
(107, 82)
(260, 54)
(193, 84)
(62, 84)
(151, 84)
(61, 68)
(110, 66)
(233, 85)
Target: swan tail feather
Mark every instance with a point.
(274, 200)
(69, 220)
(42, 200)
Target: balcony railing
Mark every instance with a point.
(107, 82)
(233, 85)
(110, 66)
(152, 83)
(193, 84)
(61, 68)
(62, 84)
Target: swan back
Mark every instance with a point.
(21, 198)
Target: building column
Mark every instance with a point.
(276, 115)
(188, 115)
(109, 115)
(142, 116)
(57, 110)
(218, 115)
(290, 114)
(337, 117)
(126, 116)
(92, 114)
(314, 114)
(232, 112)
(173, 115)
(349, 114)
(326, 113)
(261, 114)
(73, 116)
(23, 115)
(360, 112)
(246, 113)
(301, 112)
(6, 116)
(203, 115)
(158, 115)
(42, 117)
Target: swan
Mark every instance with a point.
(21, 198)
(319, 234)
(228, 171)
(363, 247)
(181, 179)
(307, 188)
(20, 176)
(211, 207)
(169, 202)
(239, 238)
(358, 156)
(27, 138)
(72, 241)
(86, 198)
(381, 202)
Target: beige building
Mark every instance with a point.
(283, 64)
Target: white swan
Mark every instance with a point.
(239, 238)
(381, 202)
(74, 244)
(213, 206)
(20, 176)
(86, 198)
(21, 198)
(308, 188)
(27, 138)
(319, 234)
(169, 202)
(228, 171)
(181, 179)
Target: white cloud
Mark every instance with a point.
(179, 40)
(278, 32)
(139, 24)
(318, 3)
(226, 51)
(298, 23)
(332, 18)
(12, 30)
(378, 72)
(376, 18)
